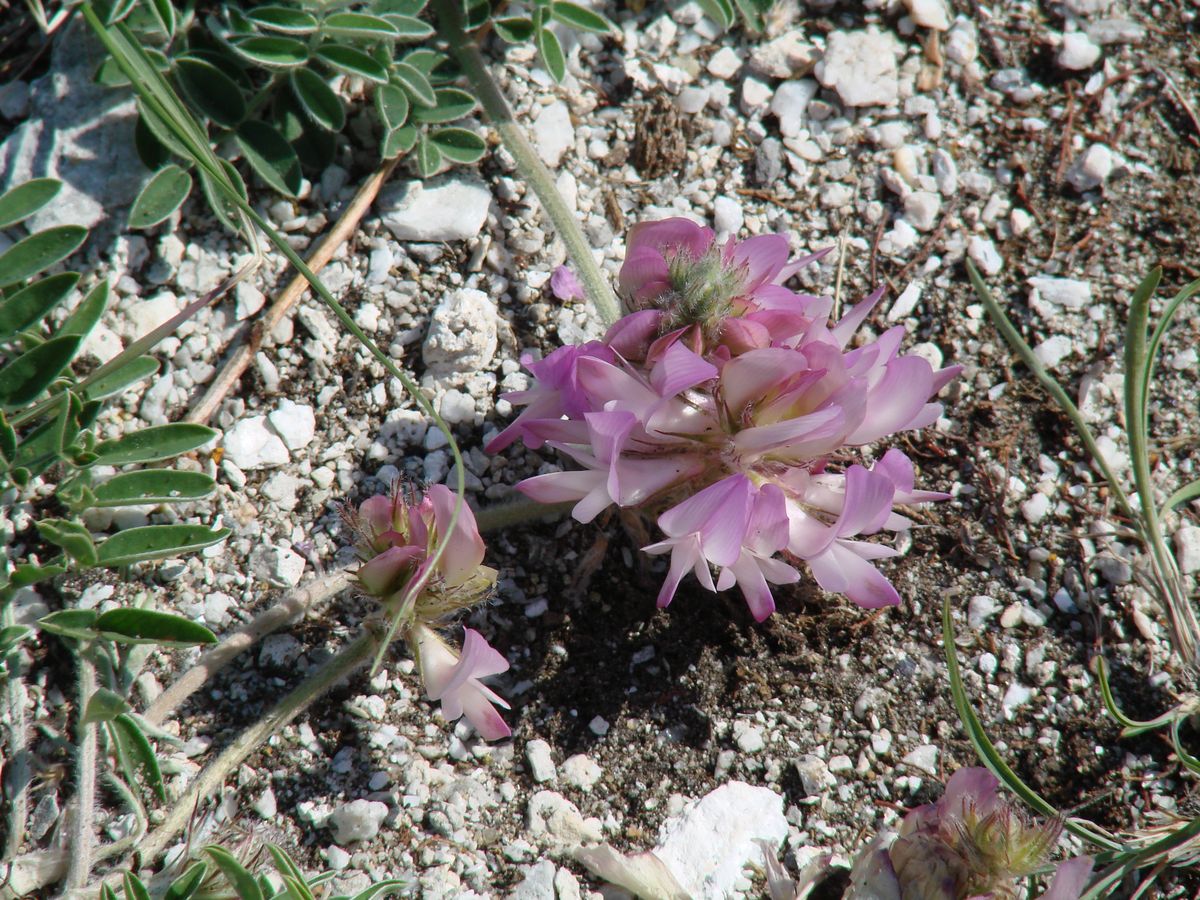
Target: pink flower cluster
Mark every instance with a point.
(732, 403)
(398, 537)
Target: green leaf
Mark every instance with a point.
(272, 51)
(224, 208)
(211, 91)
(153, 486)
(429, 157)
(104, 706)
(241, 879)
(23, 379)
(188, 883)
(398, 141)
(424, 60)
(282, 19)
(25, 199)
(415, 84)
(452, 104)
(149, 626)
(73, 537)
(164, 16)
(552, 54)
(752, 13)
(410, 28)
(31, 304)
(293, 877)
(360, 26)
(152, 444)
(157, 542)
(39, 251)
(83, 318)
(111, 11)
(383, 889)
(318, 99)
(514, 29)
(720, 11)
(271, 157)
(11, 635)
(27, 574)
(576, 16)
(116, 381)
(392, 105)
(138, 747)
(150, 150)
(162, 195)
(72, 623)
(1185, 494)
(355, 62)
(41, 447)
(107, 892)
(459, 145)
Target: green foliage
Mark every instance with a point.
(536, 27)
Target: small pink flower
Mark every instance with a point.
(565, 284)
(454, 679)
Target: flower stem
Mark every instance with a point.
(353, 656)
(595, 283)
(517, 512)
(82, 834)
(286, 612)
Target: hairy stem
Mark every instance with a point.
(350, 658)
(82, 832)
(517, 512)
(286, 612)
(16, 773)
(595, 283)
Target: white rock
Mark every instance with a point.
(581, 771)
(861, 67)
(1016, 695)
(553, 133)
(447, 209)
(790, 105)
(962, 45)
(1187, 548)
(711, 841)
(755, 94)
(554, 819)
(337, 858)
(266, 805)
(905, 303)
(1077, 51)
(692, 100)
(1092, 169)
(1085, 8)
(923, 759)
(1035, 508)
(358, 820)
(102, 344)
(281, 566)
(541, 761)
(249, 300)
(1021, 221)
(786, 56)
(538, 883)
(929, 13)
(462, 333)
(921, 208)
(1115, 31)
(1064, 292)
(945, 172)
(146, 315)
(725, 63)
(295, 424)
(814, 775)
(984, 254)
(980, 608)
(748, 738)
(379, 264)
(1053, 350)
(251, 445)
(901, 238)
(727, 215)
(279, 650)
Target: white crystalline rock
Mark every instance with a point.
(448, 209)
(861, 67)
(725, 63)
(790, 105)
(1065, 292)
(923, 759)
(984, 254)
(905, 303)
(296, 424)
(462, 333)
(1092, 169)
(929, 13)
(707, 846)
(251, 445)
(358, 820)
(1187, 548)
(727, 215)
(553, 133)
(1053, 350)
(921, 208)
(1077, 51)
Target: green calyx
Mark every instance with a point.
(702, 293)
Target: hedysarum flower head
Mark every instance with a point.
(397, 538)
(735, 409)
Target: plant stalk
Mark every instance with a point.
(16, 775)
(350, 658)
(82, 833)
(595, 282)
(517, 512)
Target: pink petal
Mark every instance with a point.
(849, 323)
(843, 571)
(483, 716)
(720, 514)
(767, 532)
(763, 256)
(810, 436)
(559, 487)
(376, 513)
(753, 375)
(566, 285)
(671, 234)
(464, 546)
(797, 264)
(1070, 879)
(678, 370)
(630, 336)
(640, 479)
(753, 586)
(644, 275)
(896, 401)
(867, 503)
(970, 788)
(386, 572)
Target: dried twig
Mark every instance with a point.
(1179, 97)
(240, 359)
